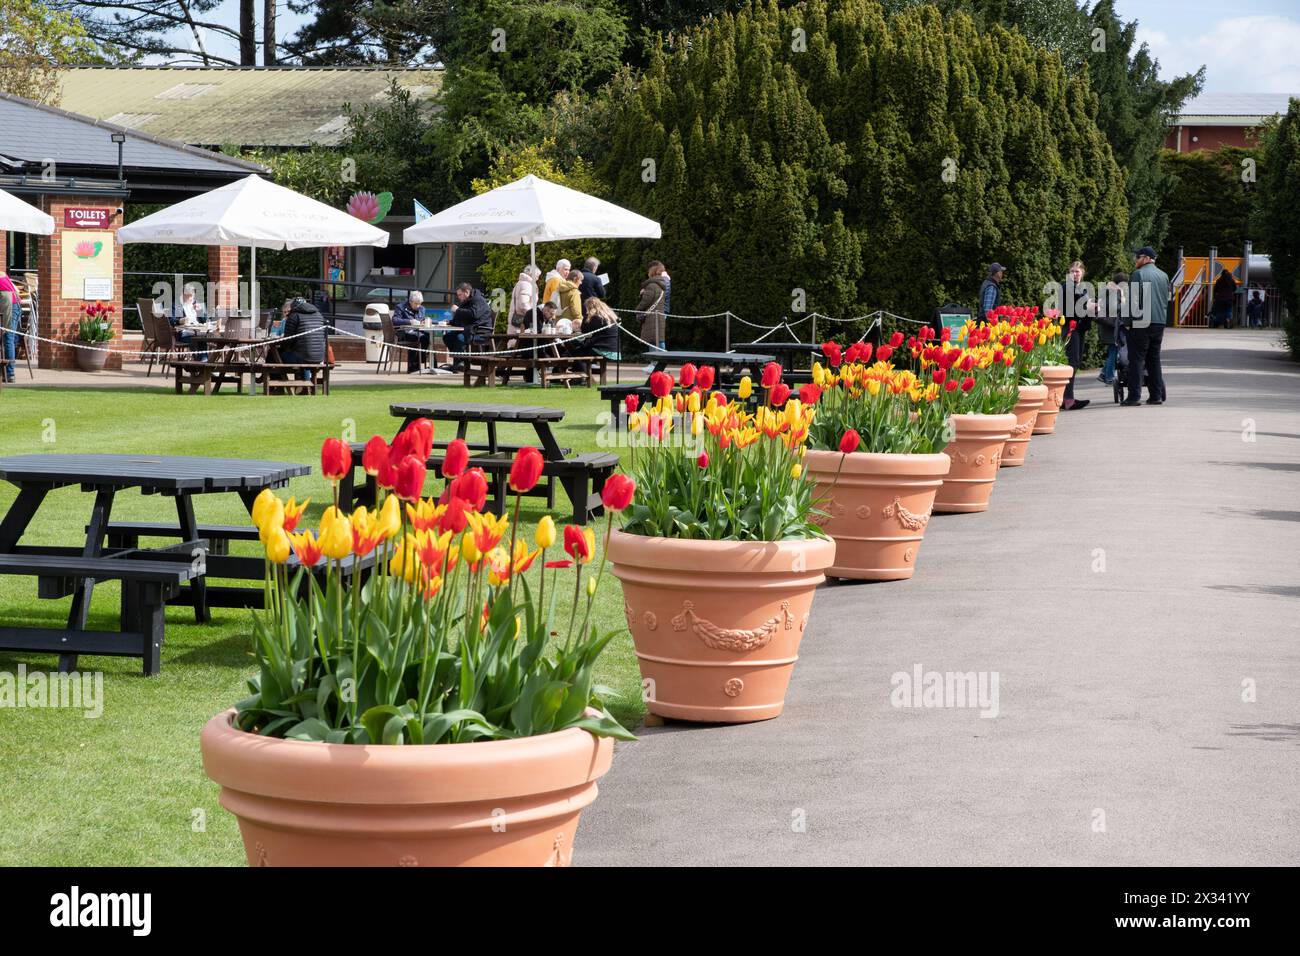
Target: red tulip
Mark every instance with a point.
(661, 383)
(704, 377)
(375, 455)
(850, 442)
(617, 491)
(810, 393)
(559, 564)
(419, 438)
(576, 543)
(335, 459)
(968, 383)
(771, 374)
(703, 460)
(832, 353)
(939, 375)
(453, 519)
(687, 376)
(780, 394)
(945, 333)
(410, 478)
(456, 460)
(896, 340)
(883, 353)
(631, 403)
(387, 474)
(950, 385)
(472, 488)
(526, 470)
(1073, 324)
(864, 353)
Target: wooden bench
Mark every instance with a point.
(147, 585)
(616, 393)
(320, 377)
(122, 535)
(582, 477)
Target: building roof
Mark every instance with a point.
(36, 136)
(290, 106)
(1232, 109)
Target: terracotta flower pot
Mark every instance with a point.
(91, 359)
(494, 803)
(878, 509)
(1015, 450)
(1055, 377)
(717, 624)
(975, 454)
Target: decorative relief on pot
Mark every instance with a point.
(908, 555)
(630, 615)
(960, 456)
(732, 639)
(995, 458)
(864, 511)
(908, 520)
(1022, 428)
(803, 624)
(979, 459)
(260, 851)
(733, 687)
(651, 621)
(839, 509)
(408, 860)
(560, 856)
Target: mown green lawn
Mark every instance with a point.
(128, 788)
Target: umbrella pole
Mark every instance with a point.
(253, 281)
(532, 260)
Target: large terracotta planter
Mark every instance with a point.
(1015, 450)
(975, 453)
(717, 624)
(878, 507)
(1055, 377)
(91, 359)
(495, 803)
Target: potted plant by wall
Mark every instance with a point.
(875, 450)
(719, 555)
(980, 388)
(94, 332)
(423, 716)
(1055, 369)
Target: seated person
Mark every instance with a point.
(411, 313)
(304, 329)
(473, 321)
(187, 320)
(600, 329)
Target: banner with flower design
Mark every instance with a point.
(88, 261)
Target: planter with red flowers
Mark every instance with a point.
(422, 716)
(979, 376)
(719, 556)
(1054, 369)
(94, 332)
(875, 450)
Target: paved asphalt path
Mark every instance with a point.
(1122, 736)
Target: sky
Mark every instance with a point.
(1247, 46)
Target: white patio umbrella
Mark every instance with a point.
(18, 216)
(532, 210)
(255, 213)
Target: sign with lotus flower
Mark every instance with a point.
(88, 264)
(370, 207)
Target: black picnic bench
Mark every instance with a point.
(151, 577)
(582, 476)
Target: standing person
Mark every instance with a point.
(1111, 310)
(473, 320)
(652, 307)
(303, 321)
(1145, 330)
(592, 287)
(553, 278)
(991, 289)
(1079, 306)
(523, 299)
(570, 292)
(1255, 310)
(408, 318)
(11, 316)
(1225, 291)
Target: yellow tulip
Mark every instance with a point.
(277, 544)
(390, 517)
(467, 549)
(796, 470)
(746, 387)
(335, 536)
(591, 587)
(545, 532)
(263, 505)
(404, 562)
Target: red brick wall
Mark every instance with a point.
(223, 272)
(1211, 137)
(59, 316)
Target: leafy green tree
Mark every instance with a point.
(1209, 205)
(1278, 206)
(393, 32)
(35, 40)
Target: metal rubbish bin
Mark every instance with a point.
(374, 331)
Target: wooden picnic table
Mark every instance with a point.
(180, 478)
(531, 354)
(233, 356)
(730, 366)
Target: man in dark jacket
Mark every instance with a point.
(474, 322)
(591, 286)
(991, 289)
(304, 327)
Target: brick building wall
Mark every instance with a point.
(223, 273)
(60, 315)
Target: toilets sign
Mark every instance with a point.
(86, 217)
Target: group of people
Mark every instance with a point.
(472, 322)
(1130, 311)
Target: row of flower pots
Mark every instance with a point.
(731, 516)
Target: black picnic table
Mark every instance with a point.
(728, 364)
(786, 352)
(105, 475)
(576, 472)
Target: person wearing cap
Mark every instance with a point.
(1147, 316)
(991, 288)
